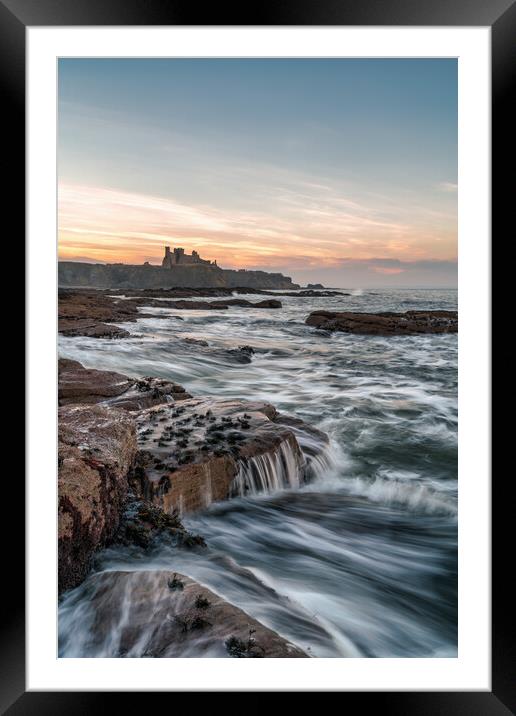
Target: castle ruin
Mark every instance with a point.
(177, 270)
(178, 257)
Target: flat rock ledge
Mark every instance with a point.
(91, 313)
(386, 323)
(77, 384)
(206, 449)
(205, 305)
(96, 449)
(162, 614)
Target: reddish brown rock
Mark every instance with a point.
(269, 303)
(77, 384)
(387, 323)
(205, 449)
(90, 329)
(86, 313)
(165, 614)
(97, 447)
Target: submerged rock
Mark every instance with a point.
(387, 323)
(164, 614)
(197, 342)
(143, 524)
(77, 384)
(96, 448)
(242, 354)
(269, 303)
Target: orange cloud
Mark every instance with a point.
(313, 227)
(387, 271)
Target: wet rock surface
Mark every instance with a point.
(160, 614)
(77, 384)
(185, 305)
(204, 450)
(77, 304)
(242, 354)
(386, 323)
(313, 293)
(144, 525)
(91, 313)
(90, 329)
(126, 472)
(88, 313)
(96, 449)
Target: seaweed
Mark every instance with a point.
(175, 584)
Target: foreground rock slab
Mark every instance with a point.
(387, 323)
(77, 384)
(207, 449)
(96, 449)
(164, 614)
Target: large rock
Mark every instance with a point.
(206, 449)
(90, 329)
(74, 305)
(387, 323)
(162, 615)
(87, 313)
(96, 449)
(77, 384)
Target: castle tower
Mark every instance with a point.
(178, 256)
(167, 260)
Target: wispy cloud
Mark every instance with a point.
(299, 225)
(447, 186)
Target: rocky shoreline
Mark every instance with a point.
(136, 454)
(94, 313)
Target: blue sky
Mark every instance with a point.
(336, 168)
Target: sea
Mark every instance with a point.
(362, 560)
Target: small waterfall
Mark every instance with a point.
(283, 468)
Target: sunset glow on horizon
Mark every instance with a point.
(325, 170)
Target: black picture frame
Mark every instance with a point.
(500, 16)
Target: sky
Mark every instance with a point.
(339, 171)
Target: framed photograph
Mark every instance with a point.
(255, 430)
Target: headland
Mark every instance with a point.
(178, 269)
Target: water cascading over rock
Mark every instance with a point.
(276, 470)
(161, 614)
(208, 449)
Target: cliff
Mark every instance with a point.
(73, 274)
